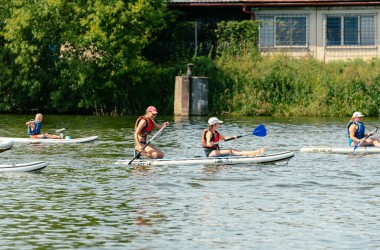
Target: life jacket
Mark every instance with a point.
(214, 138)
(36, 130)
(359, 132)
(147, 129)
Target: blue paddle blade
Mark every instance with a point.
(260, 131)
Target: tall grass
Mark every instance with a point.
(286, 86)
(244, 83)
(241, 82)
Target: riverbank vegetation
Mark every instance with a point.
(116, 58)
(284, 86)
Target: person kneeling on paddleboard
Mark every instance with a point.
(34, 129)
(143, 127)
(211, 138)
(356, 132)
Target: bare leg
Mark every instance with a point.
(40, 136)
(52, 136)
(238, 152)
(254, 153)
(369, 142)
(375, 142)
(153, 153)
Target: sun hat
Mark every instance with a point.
(152, 109)
(214, 120)
(357, 114)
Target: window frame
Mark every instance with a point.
(274, 28)
(345, 43)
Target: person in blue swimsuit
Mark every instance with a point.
(34, 129)
(356, 132)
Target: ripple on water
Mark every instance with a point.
(83, 200)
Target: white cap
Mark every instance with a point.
(214, 120)
(357, 114)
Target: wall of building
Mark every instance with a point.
(317, 46)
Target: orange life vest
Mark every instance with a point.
(214, 138)
(147, 129)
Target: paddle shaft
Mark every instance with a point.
(239, 136)
(258, 131)
(60, 130)
(361, 141)
(231, 138)
(146, 145)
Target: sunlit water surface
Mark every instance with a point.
(84, 200)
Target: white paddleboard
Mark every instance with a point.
(64, 141)
(267, 158)
(23, 167)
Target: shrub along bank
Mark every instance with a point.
(284, 86)
(112, 64)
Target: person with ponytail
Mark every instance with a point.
(356, 132)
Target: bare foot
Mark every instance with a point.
(263, 150)
(257, 152)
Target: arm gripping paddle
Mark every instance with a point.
(146, 145)
(361, 141)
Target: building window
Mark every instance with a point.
(350, 30)
(283, 30)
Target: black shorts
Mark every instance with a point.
(208, 151)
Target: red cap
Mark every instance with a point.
(152, 109)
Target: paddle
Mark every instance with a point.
(259, 131)
(159, 131)
(361, 141)
(60, 130)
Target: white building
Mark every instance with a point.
(324, 29)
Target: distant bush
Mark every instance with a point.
(285, 86)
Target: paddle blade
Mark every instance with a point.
(260, 131)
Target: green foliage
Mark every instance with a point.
(69, 56)
(244, 83)
(285, 86)
(177, 41)
(237, 38)
(88, 56)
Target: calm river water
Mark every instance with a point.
(83, 200)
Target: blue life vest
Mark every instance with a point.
(359, 132)
(36, 130)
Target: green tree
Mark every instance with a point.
(82, 55)
(5, 61)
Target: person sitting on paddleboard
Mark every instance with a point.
(356, 132)
(34, 129)
(143, 127)
(211, 137)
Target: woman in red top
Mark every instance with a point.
(211, 138)
(143, 127)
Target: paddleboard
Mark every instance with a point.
(23, 167)
(267, 158)
(64, 141)
(340, 150)
(5, 145)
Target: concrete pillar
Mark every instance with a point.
(199, 96)
(182, 95)
(191, 94)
